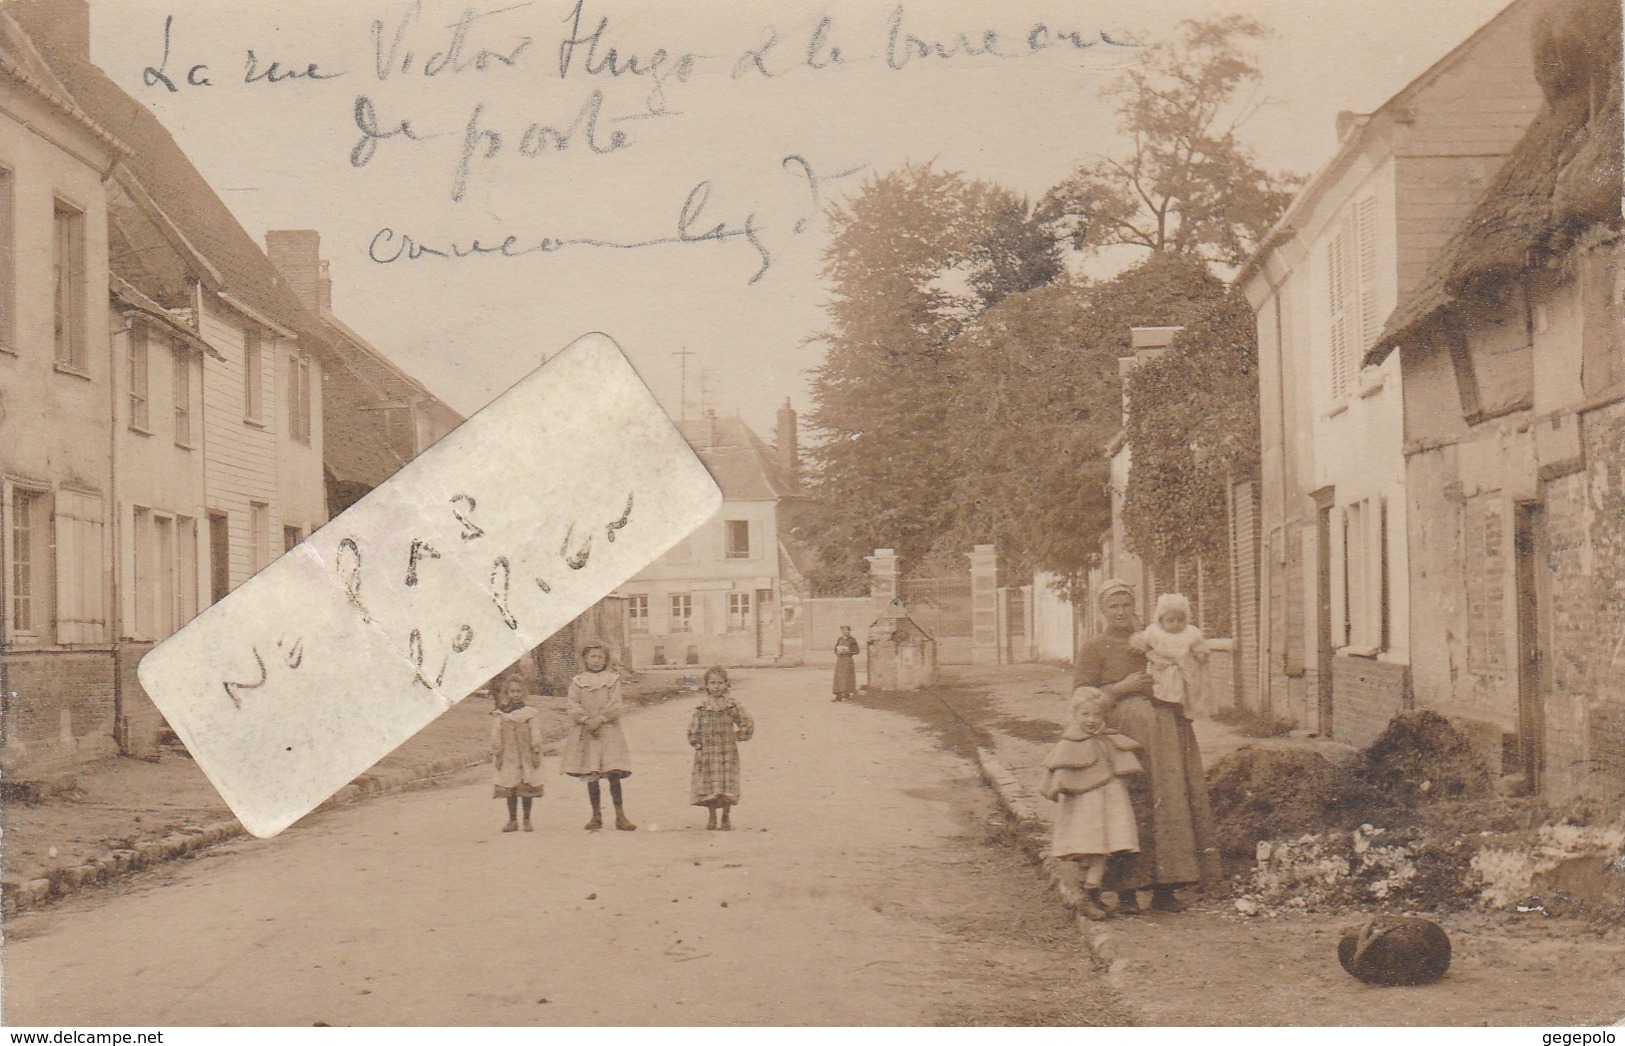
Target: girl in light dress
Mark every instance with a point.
(595, 748)
(516, 748)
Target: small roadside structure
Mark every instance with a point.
(902, 656)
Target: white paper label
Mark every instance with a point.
(472, 554)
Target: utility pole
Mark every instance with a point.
(683, 354)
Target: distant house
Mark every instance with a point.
(1514, 365)
(718, 596)
(1334, 633)
(375, 416)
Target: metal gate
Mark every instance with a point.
(942, 606)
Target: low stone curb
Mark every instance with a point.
(65, 880)
(1019, 804)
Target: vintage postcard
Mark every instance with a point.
(855, 513)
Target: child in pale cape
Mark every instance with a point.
(1176, 652)
(1085, 778)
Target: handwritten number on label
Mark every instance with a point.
(351, 573)
(420, 550)
(501, 578)
(414, 650)
(609, 531)
(470, 531)
(233, 688)
(579, 559)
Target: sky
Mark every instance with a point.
(663, 180)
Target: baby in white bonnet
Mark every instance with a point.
(1176, 652)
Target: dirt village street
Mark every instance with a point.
(860, 886)
(871, 879)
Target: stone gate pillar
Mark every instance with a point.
(883, 582)
(984, 604)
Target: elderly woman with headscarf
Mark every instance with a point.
(1170, 799)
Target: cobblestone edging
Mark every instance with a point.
(1020, 805)
(65, 880)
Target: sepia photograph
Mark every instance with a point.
(821, 513)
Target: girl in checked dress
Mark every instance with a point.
(714, 732)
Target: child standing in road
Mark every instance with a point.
(1085, 777)
(516, 748)
(718, 724)
(595, 748)
(1176, 652)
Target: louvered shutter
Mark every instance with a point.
(81, 615)
(1366, 234)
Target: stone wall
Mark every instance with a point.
(1368, 693)
(58, 709)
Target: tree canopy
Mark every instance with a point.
(1187, 183)
(916, 253)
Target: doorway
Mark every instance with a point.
(219, 556)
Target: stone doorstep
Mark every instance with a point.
(57, 883)
(1019, 804)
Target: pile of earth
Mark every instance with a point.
(1411, 822)
(1419, 765)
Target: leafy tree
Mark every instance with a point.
(1193, 427)
(1188, 184)
(1040, 398)
(915, 254)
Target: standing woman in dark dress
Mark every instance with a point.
(1170, 799)
(846, 668)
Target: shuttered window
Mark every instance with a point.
(8, 265)
(81, 604)
(138, 378)
(68, 272)
(1352, 293)
(183, 396)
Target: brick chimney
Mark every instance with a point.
(788, 450)
(59, 28)
(297, 255)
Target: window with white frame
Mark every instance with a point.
(1365, 575)
(682, 613)
(299, 398)
(1351, 276)
(68, 273)
(738, 538)
(739, 611)
(637, 615)
(183, 395)
(30, 563)
(253, 377)
(166, 579)
(137, 344)
(8, 264)
(259, 541)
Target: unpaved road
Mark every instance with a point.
(859, 887)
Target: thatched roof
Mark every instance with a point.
(1561, 178)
